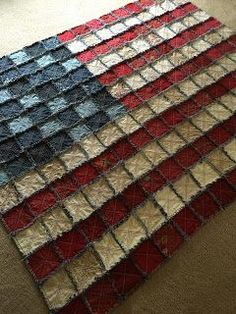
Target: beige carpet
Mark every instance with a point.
(201, 277)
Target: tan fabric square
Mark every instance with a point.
(96, 67)
(149, 74)
(171, 142)
(98, 192)
(92, 146)
(73, 157)
(232, 56)
(135, 81)
(111, 59)
(130, 233)
(53, 170)
(78, 207)
(213, 38)
(169, 201)
(58, 289)
(29, 183)
(220, 160)
(126, 52)
(109, 251)
(174, 95)
(153, 39)
(203, 121)
(8, 197)
(159, 104)
(218, 111)
(225, 32)
(177, 27)
(163, 65)
(31, 238)
(127, 124)
(227, 64)
(109, 134)
(137, 165)
(189, 21)
(230, 149)
(189, 51)
(154, 153)
(229, 100)
(177, 58)
(188, 87)
(142, 114)
(188, 131)
(119, 179)
(186, 187)
(85, 269)
(201, 45)
(91, 40)
(204, 173)
(151, 216)
(216, 71)
(119, 90)
(57, 222)
(203, 79)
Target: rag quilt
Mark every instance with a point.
(117, 142)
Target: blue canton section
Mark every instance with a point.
(48, 101)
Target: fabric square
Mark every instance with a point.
(119, 179)
(230, 149)
(109, 134)
(133, 195)
(93, 227)
(8, 197)
(92, 146)
(220, 160)
(186, 187)
(138, 165)
(19, 57)
(114, 211)
(127, 124)
(77, 159)
(204, 173)
(187, 221)
(171, 142)
(29, 183)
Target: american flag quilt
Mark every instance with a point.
(117, 142)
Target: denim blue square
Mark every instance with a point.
(4, 131)
(20, 87)
(115, 111)
(97, 121)
(29, 68)
(36, 49)
(19, 166)
(9, 149)
(61, 53)
(3, 177)
(39, 114)
(29, 101)
(5, 64)
(50, 127)
(57, 104)
(75, 95)
(65, 83)
(51, 43)
(86, 109)
(45, 60)
(46, 91)
(71, 64)
(20, 124)
(54, 71)
(38, 78)
(92, 86)
(79, 132)
(29, 138)
(80, 74)
(41, 153)
(60, 141)
(4, 95)
(68, 117)
(10, 76)
(10, 110)
(19, 57)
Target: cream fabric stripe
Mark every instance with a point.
(143, 221)
(34, 180)
(98, 192)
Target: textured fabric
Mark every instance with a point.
(124, 132)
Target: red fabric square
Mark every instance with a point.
(147, 257)
(114, 42)
(188, 108)
(105, 161)
(146, 3)
(84, 174)
(187, 157)
(172, 117)
(140, 29)
(170, 169)
(201, 61)
(228, 82)
(232, 39)
(216, 90)
(151, 55)
(43, 262)
(188, 34)
(41, 201)
(140, 138)
(203, 145)
(125, 276)
(231, 177)
(156, 127)
(128, 36)
(121, 12)
(114, 211)
(204, 205)
(80, 30)
(108, 18)
(123, 148)
(122, 69)
(93, 227)
(101, 49)
(218, 135)
(70, 243)
(152, 182)
(177, 41)
(164, 48)
(230, 125)
(137, 63)
(223, 192)
(147, 92)
(168, 239)
(133, 195)
(166, 18)
(179, 12)
(94, 24)
(66, 36)
(213, 53)
(18, 217)
(186, 220)
(189, 68)
(133, 7)
(202, 98)
(189, 7)
(155, 23)
(131, 101)
(101, 296)
(76, 306)
(65, 186)
(86, 56)
(107, 78)
(175, 75)
(161, 84)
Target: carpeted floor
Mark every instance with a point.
(201, 277)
